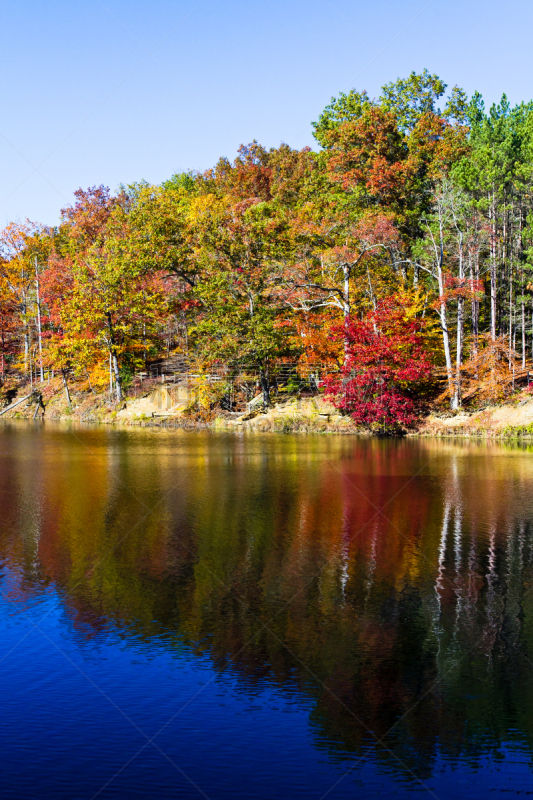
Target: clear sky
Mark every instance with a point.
(111, 91)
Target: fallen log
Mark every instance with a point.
(15, 404)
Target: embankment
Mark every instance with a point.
(169, 405)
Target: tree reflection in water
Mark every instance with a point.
(388, 580)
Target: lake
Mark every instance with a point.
(198, 615)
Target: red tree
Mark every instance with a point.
(386, 356)
(88, 216)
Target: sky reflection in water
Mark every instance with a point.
(193, 615)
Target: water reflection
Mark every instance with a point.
(388, 582)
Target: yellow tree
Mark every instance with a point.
(24, 248)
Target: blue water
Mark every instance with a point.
(225, 617)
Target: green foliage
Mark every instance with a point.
(239, 248)
(408, 98)
(412, 97)
(187, 181)
(341, 109)
(517, 431)
(457, 109)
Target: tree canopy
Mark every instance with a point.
(288, 256)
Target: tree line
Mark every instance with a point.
(398, 251)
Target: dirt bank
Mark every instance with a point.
(508, 420)
(168, 405)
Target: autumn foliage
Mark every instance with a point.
(386, 358)
(403, 248)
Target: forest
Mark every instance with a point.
(391, 267)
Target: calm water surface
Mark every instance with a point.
(191, 615)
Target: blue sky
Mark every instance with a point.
(111, 91)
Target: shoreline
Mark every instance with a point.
(507, 421)
(485, 437)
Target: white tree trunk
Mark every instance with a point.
(39, 327)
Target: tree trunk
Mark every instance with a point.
(265, 386)
(523, 335)
(40, 405)
(39, 328)
(26, 349)
(443, 314)
(475, 306)
(522, 282)
(114, 359)
(118, 380)
(493, 287)
(459, 355)
(456, 403)
(27, 365)
(510, 316)
(65, 384)
(346, 309)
